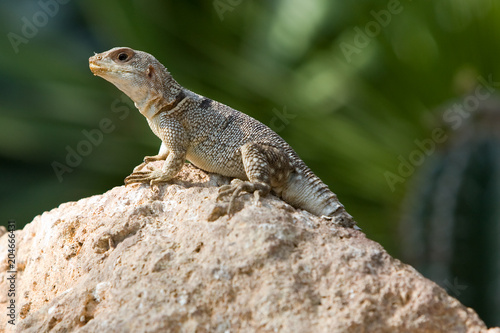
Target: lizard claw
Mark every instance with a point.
(234, 188)
(237, 186)
(149, 159)
(152, 177)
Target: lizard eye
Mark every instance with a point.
(123, 57)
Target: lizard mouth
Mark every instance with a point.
(96, 68)
(99, 69)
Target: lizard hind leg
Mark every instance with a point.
(265, 167)
(237, 187)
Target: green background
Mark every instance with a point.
(360, 82)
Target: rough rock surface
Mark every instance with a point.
(136, 259)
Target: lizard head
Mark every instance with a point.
(139, 75)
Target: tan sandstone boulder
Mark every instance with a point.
(137, 259)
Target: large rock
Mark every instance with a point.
(136, 259)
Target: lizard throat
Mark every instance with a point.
(179, 98)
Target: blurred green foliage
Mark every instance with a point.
(360, 79)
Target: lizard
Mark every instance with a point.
(214, 137)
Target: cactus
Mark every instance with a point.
(451, 222)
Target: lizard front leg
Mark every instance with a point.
(172, 150)
(265, 166)
(162, 155)
(171, 167)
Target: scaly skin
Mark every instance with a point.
(212, 136)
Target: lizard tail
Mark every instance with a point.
(308, 192)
